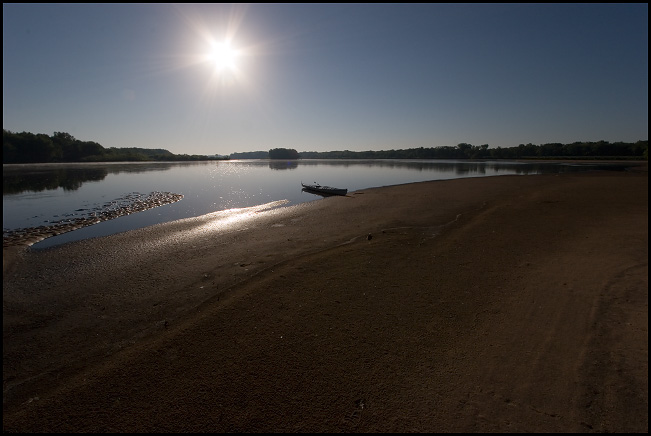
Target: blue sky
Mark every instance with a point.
(322, 77)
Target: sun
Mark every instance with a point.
(224, 56)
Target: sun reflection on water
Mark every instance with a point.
(223, 221)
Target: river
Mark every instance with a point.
(38, 195)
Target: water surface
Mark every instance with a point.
(41, 194)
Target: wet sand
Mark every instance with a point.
(131, 203)
(499, 304)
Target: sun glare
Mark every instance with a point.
(224, 56)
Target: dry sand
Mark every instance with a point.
(499, 304)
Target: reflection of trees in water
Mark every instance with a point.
(144, 167)
(35, 178)
(283, 165)
(463, 167)
(70, 179)
(458, 167)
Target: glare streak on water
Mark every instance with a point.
(37, 195)
(231, 220)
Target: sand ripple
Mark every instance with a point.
(132, 203)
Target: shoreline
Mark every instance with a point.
(391, 309)
(120, 207)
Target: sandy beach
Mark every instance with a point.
(495, 304)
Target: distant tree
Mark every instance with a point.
(283, 153)
(9, 151)
(68, 145)
(640, 148)
(90, 149)
(27, 147)
(465, 149)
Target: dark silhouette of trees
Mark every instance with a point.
(62, 147)
(67, 144)
(250, 155)
(27, 147)
(577, 150)
(283, 153)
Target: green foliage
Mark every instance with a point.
(27, 147)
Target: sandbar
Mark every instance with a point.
(494, 304)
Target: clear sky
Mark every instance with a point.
(323, 77)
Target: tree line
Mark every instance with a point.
(28, 147)
(274, 153)
(62, 147)
(575, 150)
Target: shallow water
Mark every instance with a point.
(39, 195)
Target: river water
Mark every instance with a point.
(37, 195)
